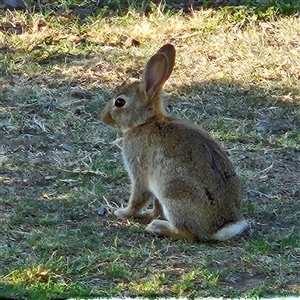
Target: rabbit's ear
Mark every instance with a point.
(159, 67)
(169, 51)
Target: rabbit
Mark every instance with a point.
(196, 191)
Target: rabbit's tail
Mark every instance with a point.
(230, 230)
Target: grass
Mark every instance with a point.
(59, 164)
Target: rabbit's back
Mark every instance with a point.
(187, 171)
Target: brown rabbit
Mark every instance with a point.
(196, 189)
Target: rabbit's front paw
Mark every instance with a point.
(123, 213)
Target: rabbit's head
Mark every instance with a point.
(135, 103)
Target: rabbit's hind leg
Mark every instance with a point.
(164, 228)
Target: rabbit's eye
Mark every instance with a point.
(120, 102)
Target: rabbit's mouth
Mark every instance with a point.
(110, 121)
(107, 118)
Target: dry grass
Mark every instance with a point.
(58, 163)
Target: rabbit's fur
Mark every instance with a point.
(196, 189)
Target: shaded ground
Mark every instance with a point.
(44, 169)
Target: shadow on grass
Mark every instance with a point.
(47, 144)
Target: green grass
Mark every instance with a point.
(58, 162)
(253, 8)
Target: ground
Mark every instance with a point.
(60, 168)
